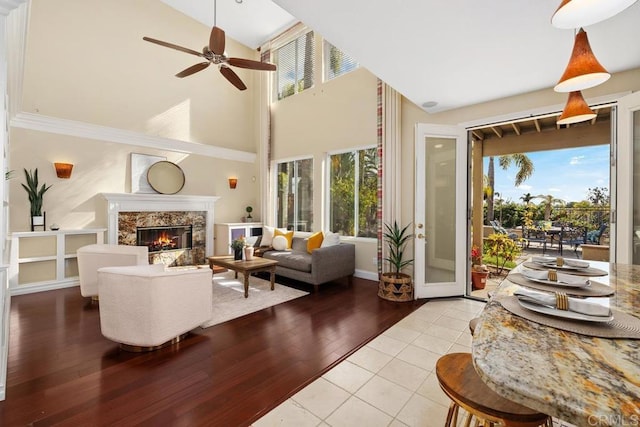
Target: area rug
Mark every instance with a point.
(229, 301)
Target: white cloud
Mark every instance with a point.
(554, 190)
(576, 160)
(524, 187)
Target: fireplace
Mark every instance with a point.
(165, 238)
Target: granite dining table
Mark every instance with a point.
(584, 380)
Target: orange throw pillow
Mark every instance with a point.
(288, 235)
(314, 241)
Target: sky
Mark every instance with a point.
(566, 174)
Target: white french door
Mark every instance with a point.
(626, 228)
(440, 220)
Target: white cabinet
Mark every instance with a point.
(46, 260)
(225, 233)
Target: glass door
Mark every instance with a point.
(440, 212)
(627, 214)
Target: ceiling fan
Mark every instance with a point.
(214, 54)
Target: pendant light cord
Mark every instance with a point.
(214, 13)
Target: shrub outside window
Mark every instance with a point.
(336, 62)
(353, 192)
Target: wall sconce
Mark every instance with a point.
(576, 110)
(63, 170)
(584, 70)
(581, 13)
(232, 183)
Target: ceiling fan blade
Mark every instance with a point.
(216, 41)
(248, 63)
(232, 77)
(193, 69)
(173, 46)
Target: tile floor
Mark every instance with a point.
(391, 381)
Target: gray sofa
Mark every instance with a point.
(320, 266)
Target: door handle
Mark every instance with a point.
(419, 225)
(420, 236)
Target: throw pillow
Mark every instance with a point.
(267, 235)
(287, 234)
(330, 239)
(314, 241)
(279, 243)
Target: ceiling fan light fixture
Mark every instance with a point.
(580, 13)
(576, 110)
(583, 71)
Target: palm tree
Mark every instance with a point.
(526, 198)
(525, 170)
(549, 202)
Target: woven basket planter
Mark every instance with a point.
(394, 287)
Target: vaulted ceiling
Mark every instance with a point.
(455, 53)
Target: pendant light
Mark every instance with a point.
(576, 110)
(584, 70)
(580, 13)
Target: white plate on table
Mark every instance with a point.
(566, 314)
(553, 262)
(552, 283)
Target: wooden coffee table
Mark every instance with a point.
(245, 267)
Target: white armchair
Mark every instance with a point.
(93, 257)
(146, 307)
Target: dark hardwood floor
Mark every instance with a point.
(62, 370)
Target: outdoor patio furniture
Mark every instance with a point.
(535, 235)
(499, 229)
(573, 236)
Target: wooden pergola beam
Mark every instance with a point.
(497, 131)
(537, 123)
(478, 134)
(516, 128)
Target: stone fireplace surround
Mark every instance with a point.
(126, 211)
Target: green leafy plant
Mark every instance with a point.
(249, 209)
(35, 192)
(396, 242)
(502, 248)
(238, 243)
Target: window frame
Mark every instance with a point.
(296, 35)
(274, 186)
(327, 191)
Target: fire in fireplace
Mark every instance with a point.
(167, 238)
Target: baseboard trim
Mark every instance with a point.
(364, 274)
(31, 289)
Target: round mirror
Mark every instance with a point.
(165, 177)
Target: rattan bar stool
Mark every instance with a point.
(460, 381)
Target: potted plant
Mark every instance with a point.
(249, 209)
(395, 285)
(237, 245)
(479, 271)
(36, 195)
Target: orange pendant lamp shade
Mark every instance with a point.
(584, 70)
(576, 110)
(580, 13)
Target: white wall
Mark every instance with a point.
(86, 61)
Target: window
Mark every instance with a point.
(353, 192)
(294, 198)
(336, 62)
(295, 65)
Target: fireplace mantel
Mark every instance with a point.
(135, 202)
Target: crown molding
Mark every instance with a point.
(42, 123)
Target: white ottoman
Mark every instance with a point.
(93, 257)
(146, 307)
